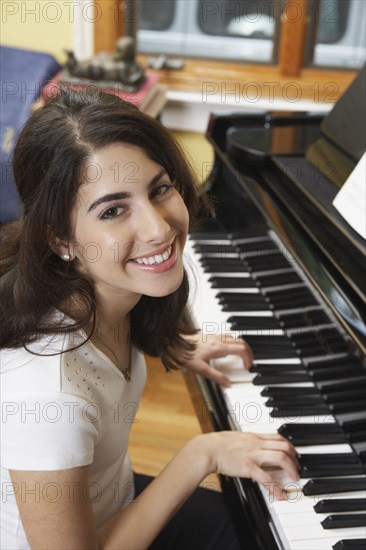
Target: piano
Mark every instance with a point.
(279, 267)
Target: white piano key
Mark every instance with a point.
(300, 502)
(315, 544)
(317, 532)
(325, 449)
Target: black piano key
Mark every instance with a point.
(324, 458)
(232, 282)
(258, 246)
(349, 396)
(258, 340)
(222, 267)
(251, 305)
(242, 299)
(303, 319)
(281, 279)
(253, 323)
(313, 434)
(350, 544)
(291, 411)
(287, 400)
(330, 397)
(332, 373)
(310, 428)
(347, 406)
(327, 506)
(356, 436)
(340, 521)
(306, 440)
(325, 486)
(345, 362)
(267, 262)
(317, 470)
(344, 384)
(352, 421)
(282, 303)
(214, 248)
(294, 391)
(271, 368)
(290, 295)
(285, 378)
(312, 400)
(273, 353)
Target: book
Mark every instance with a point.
(140, 97)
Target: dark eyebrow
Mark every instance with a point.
(124, 194)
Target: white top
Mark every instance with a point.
(62, 411)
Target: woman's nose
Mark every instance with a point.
(153, 224)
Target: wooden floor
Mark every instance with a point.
(164, 422)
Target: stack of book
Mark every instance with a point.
(150, 97)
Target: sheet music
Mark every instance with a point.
(351, 199)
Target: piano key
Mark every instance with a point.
(350, 544)
(255, 245)
(310, 317)
(308, 518)
(331, 470)
(242, 322)
(340, 521)
(299, 410)
(326, 458)
(325, 544)
(344, 360)
(340, 505)
(290, 390)
(347, 406)
(297, 502)
(271, 368)
(221, 267)
(232, 282)
(286, 278)
(218, 247)
(318, 532)
(267, 262)
(339, 485)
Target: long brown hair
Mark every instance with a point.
(49, 157)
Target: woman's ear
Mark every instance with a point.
(62, 248)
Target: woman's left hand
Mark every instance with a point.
(212, 347)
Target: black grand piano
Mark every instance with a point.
(280, 267)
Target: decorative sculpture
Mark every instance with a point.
(108, 70)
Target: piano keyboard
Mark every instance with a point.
(304, 383)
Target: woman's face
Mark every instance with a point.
(129, 225)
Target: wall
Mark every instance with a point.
(198, 151)
(45, 26)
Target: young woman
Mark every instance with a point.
(92, 277)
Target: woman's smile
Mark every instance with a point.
(158, 261)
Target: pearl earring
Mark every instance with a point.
(66, 257)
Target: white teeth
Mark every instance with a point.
(158, 259)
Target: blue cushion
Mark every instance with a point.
(22, 76)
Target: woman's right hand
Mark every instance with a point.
(249, 455)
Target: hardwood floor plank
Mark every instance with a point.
(164, 422)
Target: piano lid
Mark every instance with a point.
(343, 139)
(302, 192)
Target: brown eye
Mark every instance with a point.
(112, 212)
(162, 189)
